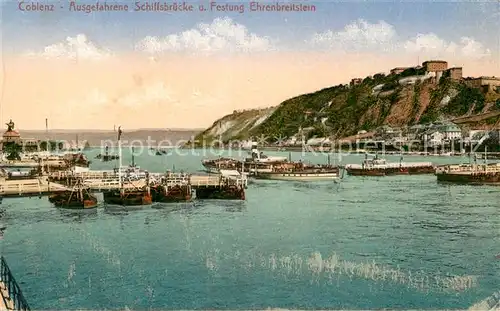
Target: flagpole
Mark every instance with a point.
(120, 159)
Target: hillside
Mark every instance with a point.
(408, 98)
(237, 125)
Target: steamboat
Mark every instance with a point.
(19, 174)
(478, 174)
(160, 151)
(257, 162)
(215, 165)
(380, 167)
(106, 157)
(300, 172)
(257, 156)
(79, 159)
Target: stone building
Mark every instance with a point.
(484, 83)
(455, 73)
(356, 81)
(435, 65)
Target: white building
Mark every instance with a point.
(434, 138)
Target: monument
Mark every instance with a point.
(11, 135)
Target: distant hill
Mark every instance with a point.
(95, 137)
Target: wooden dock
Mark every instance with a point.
(29, 187)
(107, 179)
(103, 181)
(33, 164)
(14, 164)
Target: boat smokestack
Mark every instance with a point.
(120, 160)
(255, 151)
(133, 159)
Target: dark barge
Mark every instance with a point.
(172, 188)
(77, 198)
(228, 185)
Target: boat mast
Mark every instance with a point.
(133, 162)
(80, 190)
(120, 159)
(486, 155)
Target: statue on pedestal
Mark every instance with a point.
(10, 126)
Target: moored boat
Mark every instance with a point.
(128, 197)
(77, 198)
(257, 162)
(172, 188)
(301, 172)
(19, 174)
(259, 157)
(478, 174)
(135, 196)
(171, 193)
(106, 157)
(215, 165)
(380, 167)
(78, 159)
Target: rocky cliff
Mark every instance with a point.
(411, 97)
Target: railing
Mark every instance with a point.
(21, 187)
(205, 180)
(15, 297)
(97, 175)
(175, 179)
(85, 175)
(113, 184)
(470, 168)
(102, 180)
(239, 181)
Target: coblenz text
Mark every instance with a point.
(35, 7)
(157, 6)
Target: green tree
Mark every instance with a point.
(13, 151)
(51, 145)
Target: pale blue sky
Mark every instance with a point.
(449, 20)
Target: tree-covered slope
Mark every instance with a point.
(339, 111)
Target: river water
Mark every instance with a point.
(363, 243)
